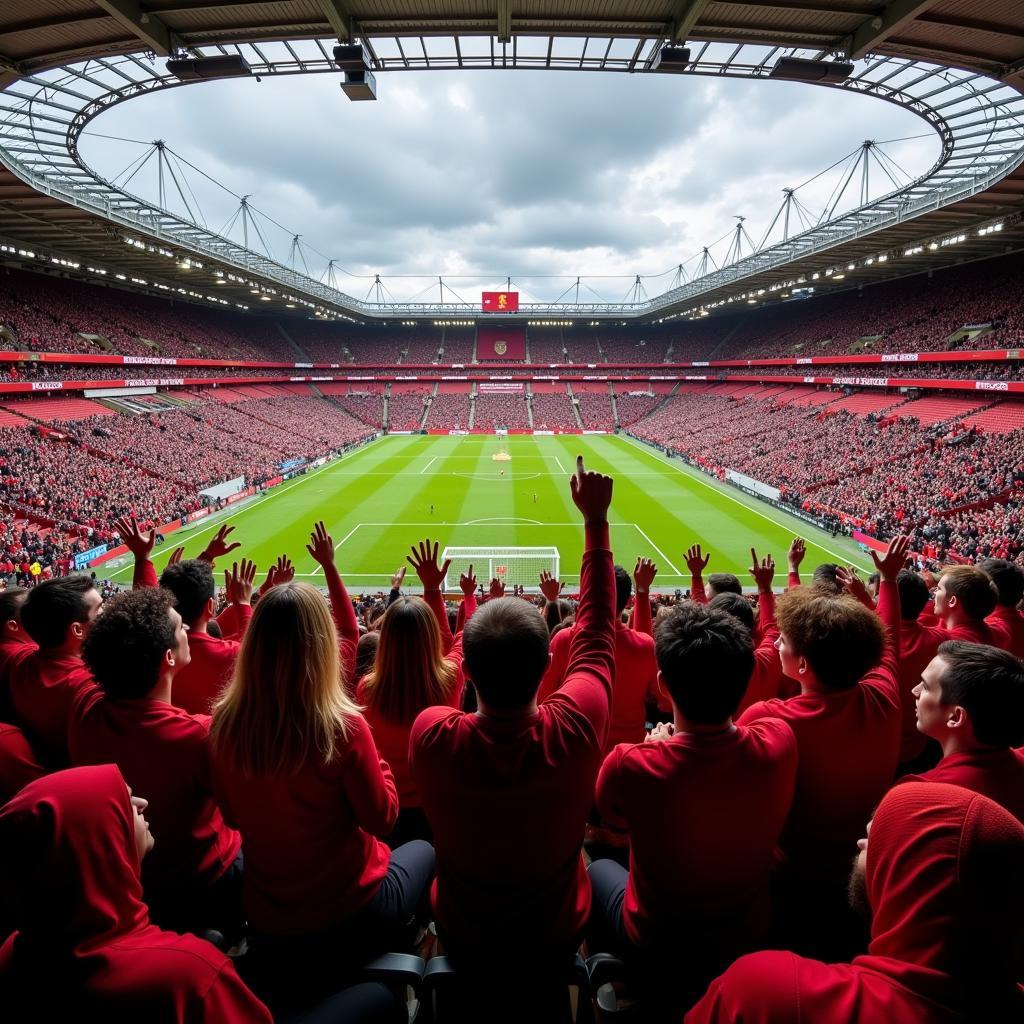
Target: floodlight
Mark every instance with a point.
(201, 69)
(671, 60)
(350, 58)
(799, 69)
(360, 85)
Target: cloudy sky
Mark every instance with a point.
(477, 175)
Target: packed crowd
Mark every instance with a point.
(501, 409)
(676, 792)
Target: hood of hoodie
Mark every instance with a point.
(68, 839)
(945, 881)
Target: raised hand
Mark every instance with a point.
(496, 589)
(763, 571)
(219, 545)
(591, 493)
(424, 560)
(550, 587)
(467, 581)
(281, 571)
(138, 543)
(321, 545)
(239, 580)
(696, 560)
(398, 577)
(894, 559)
(797, 550)
(643, 574)
(175, 556)
(853, 584)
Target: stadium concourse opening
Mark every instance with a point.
(437, 632)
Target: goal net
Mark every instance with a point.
(512, 566)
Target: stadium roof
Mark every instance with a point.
(981, 36)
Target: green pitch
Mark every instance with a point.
(377, 501)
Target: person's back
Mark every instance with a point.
(84, 946)
(15, 643)
(940, 876)
(19, 764)
(1006, 622)
(507, 790)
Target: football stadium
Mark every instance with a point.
(512, 511)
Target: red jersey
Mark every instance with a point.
(311, 856)
(997, 774)
(164, 755)
(85, 948)
(12, 651)
(507, 796)
(704, 813)
(1008, 626)
(917, 648)
(18, 762)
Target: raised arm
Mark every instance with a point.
(141, 546)
(423, 559)
(218, 545)
(467, 584)
(697, 562)
(797, 551)
(321, 549)
(643, 576)
(888, 609)
(764, 682)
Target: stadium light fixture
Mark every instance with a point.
(204, 69)
(671, 60)
(799, 69)
(359, 83)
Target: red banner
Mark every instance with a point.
(500, 302)
(501, 343)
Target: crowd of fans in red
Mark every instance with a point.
(675, 789)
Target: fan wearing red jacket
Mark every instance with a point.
(44, 683)
(18, 762)
(704, 802)
(135, 652)
(70, 849)
(1006, 621)
(964, 598)
(847, 725)
(15, 643)
(971, 700)
(636, 669)
(940, 876)
(507, 789)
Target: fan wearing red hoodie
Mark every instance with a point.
(847, 725)
(84, 948)
(940, 876)
(1006, 621)
(18, 762)
(297, 772)
(44, 683)
(971, 700)
(964, 598)
(507, 789)
(411, 671)
(135, 652)
(636, 669)
(15, 643)
(704, 802)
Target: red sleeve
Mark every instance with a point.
(641, 620)
(591, 668)
(144, 575)
(557, 665)
(228, 1001)
(18, 763)
(344, 619)
(437, 606)
(764, 683)
(608, 796)
(465, 613)
(697, 592)
(369, 783)
(793, 579)
(234, 621)
(887, 673)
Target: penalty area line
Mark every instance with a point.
(319, 569)
(668, 562)
(429, 464)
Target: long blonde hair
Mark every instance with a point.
(410, 672)
(286, 703)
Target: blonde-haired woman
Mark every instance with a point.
(297, 772)
(418, 665)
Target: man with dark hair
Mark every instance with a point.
(964, 598)
(507, 790)
(718, 582)
(57, 615)
(1006, 621)
(704, 802)
(940, 877)
(917, 648)
(15, 643)
(135, 653)
(971, 701)
(824, 578)
(635, 666)
(847, 725)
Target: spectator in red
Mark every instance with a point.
(636, 669)
(412, 672)
(1006, 621)
(15, 643)
(135, 651)
(18, 762)
(971, 700)
(940, 876)
(718, 582)
(44, 683)
(917, 648)
(507, 790)
(84, 946)
(847, 725)
(297, 772)
(964, 598)
(704, 802)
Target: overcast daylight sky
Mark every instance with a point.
(477, 175)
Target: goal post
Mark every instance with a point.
(512, 566)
